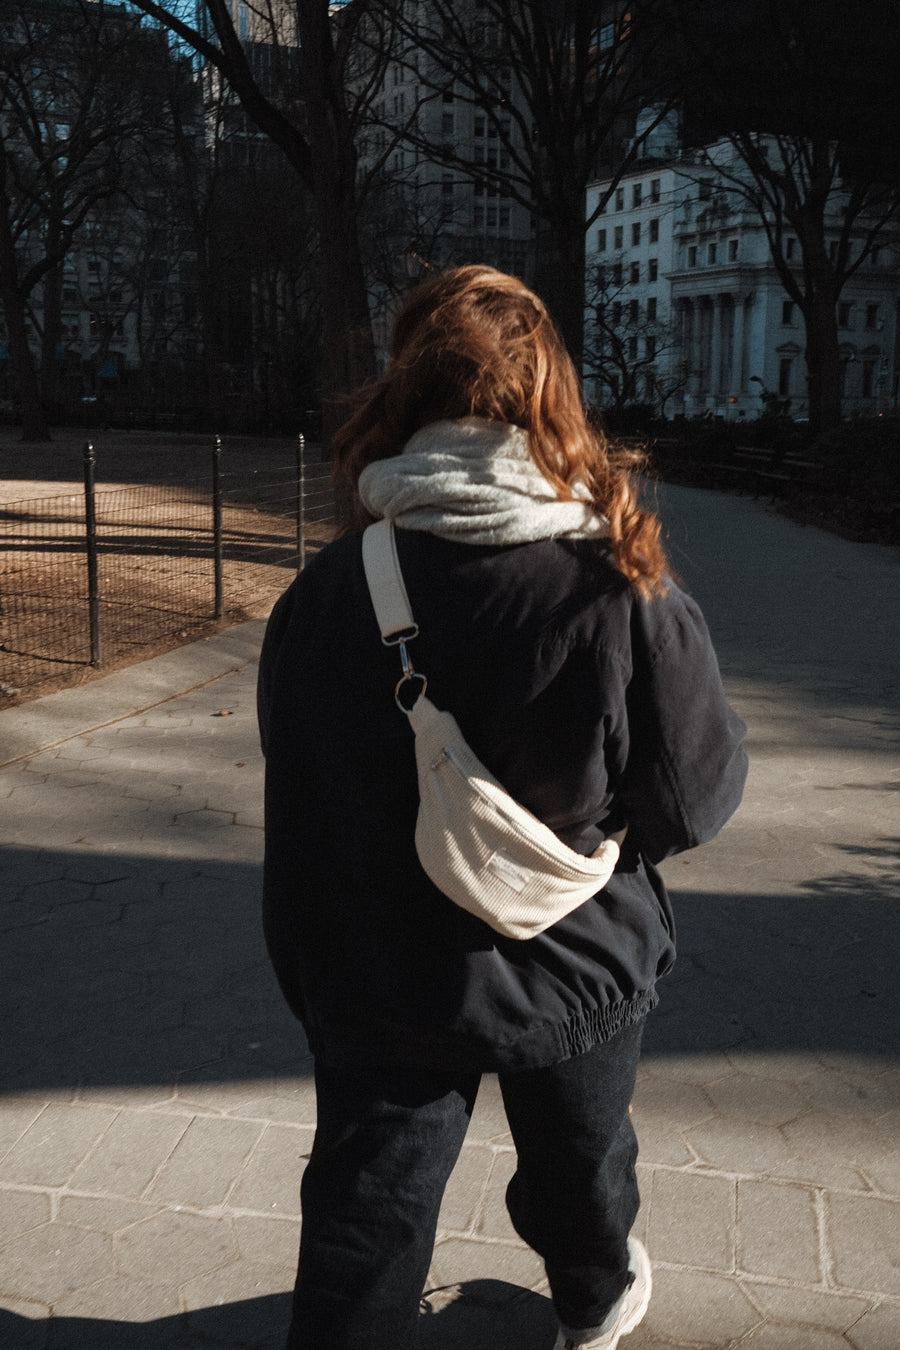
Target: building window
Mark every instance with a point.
(654, 230)
(711, 254)
(692, 256)
(446, 123)
(616, 313)
(868, 379)
(635, 273)
(784, 377)
(651, 308)
(652, 269)
(636, 233)
(618, 236)
(872, 316)
(787, 313)
(601, 241)
(620, 199)
(732, 250)
(844, 314)
(704, 191)
(650, 347)
(632, 349)
(633, 311)
(636, 194)
(654, 189)
(617, 274)
(789, 246)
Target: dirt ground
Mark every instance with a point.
(156, 571)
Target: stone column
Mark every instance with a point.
(717, 311)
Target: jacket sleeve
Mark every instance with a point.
(686, 767)
(274, 635)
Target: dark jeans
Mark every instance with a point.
(386, 1143)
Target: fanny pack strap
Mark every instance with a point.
(391, 602)
(386, 585)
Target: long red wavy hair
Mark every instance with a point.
(474, 342)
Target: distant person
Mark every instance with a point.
(584, 678)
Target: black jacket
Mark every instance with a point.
(594, 707)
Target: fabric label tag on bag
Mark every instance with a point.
(502, 866)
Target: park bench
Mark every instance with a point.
(763, 471)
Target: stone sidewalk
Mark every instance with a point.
(157, 1105)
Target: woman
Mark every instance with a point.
(583, 677)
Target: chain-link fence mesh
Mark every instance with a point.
(156, 553)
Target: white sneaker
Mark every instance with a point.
(623, 1316)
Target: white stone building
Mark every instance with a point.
(691, 302)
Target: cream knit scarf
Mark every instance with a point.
(474, 480)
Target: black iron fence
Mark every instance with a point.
(97, 576)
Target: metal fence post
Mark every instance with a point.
(90, 526)
(301, 502)
(217, 527)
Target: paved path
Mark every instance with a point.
(156, 1105)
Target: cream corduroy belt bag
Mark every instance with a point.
(478, 845)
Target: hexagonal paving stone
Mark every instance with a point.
(50, 1150)
(240, 1279)
(210, 1154)
(780, 1335)
(170, 1248)
(670, 1103)
(128, 1157)
(702, 1207)
(697, 1309)
(742, 1147)
(878, 1329)
(56, 1259)
(757, 1099)
(833, 1148)
(49, 894)
(458, 1261)
(270, 1182)
(203, 819)
(864, 1238)
(22, 1211)
(778, 1231)
(119, 1298)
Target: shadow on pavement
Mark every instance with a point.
(126, 971)
(477, 1315)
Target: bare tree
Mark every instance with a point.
(624, 343)
(557, 85)
(68, 102)
(310, 98)
(812, 115)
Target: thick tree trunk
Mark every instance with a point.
(348, 352)
(823, 359)
(34, 420)
(347, 357)
(823, 362)
(52, 332)
(559, 281)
